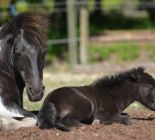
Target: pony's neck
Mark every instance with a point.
(6, 62)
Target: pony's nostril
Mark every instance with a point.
(30, 89)
(36, 92)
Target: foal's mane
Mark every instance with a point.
(34, 26)
(118, 78)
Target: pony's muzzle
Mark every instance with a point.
(35, 95)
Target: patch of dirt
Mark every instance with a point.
(125, 35)
(142, 128)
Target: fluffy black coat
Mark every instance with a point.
(104, 100)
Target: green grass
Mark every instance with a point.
(123, 51)
(137, 106)
(150, 48)
(110, 4)
(117, 52)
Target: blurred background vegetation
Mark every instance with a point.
(121, 35)
(104, 16)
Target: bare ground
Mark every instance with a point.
(142, 128)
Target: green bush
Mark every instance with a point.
(115, 21)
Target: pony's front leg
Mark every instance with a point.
(12, 124)
(15, 117)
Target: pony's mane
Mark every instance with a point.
(34, 26)
(118, 78)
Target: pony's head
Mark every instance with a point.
(28, 51)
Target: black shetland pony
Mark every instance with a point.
(22, 48)
(103, 100)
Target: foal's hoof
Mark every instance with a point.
(126, 121)
(107, 122)
(96, 122)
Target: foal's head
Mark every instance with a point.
(145, 87)
(28, 48)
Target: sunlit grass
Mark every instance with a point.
(110, 4)
(136, 106)
(123, 51)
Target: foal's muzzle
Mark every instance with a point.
(35, 95)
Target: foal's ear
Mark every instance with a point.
(134, 77)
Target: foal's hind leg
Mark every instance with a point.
(67, 122)
(125, 118)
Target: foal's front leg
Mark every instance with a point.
(109, 118)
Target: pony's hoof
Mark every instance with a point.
(0, 124)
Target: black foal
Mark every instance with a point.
(104, 100)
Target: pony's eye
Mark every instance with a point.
(19, 54)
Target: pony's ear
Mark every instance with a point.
(134, 77)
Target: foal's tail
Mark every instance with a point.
(47, 118)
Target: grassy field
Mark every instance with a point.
(119, 51)
(122, 51)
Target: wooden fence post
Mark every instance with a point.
(72, 42)
(83, 33)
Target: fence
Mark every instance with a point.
(71, 7)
